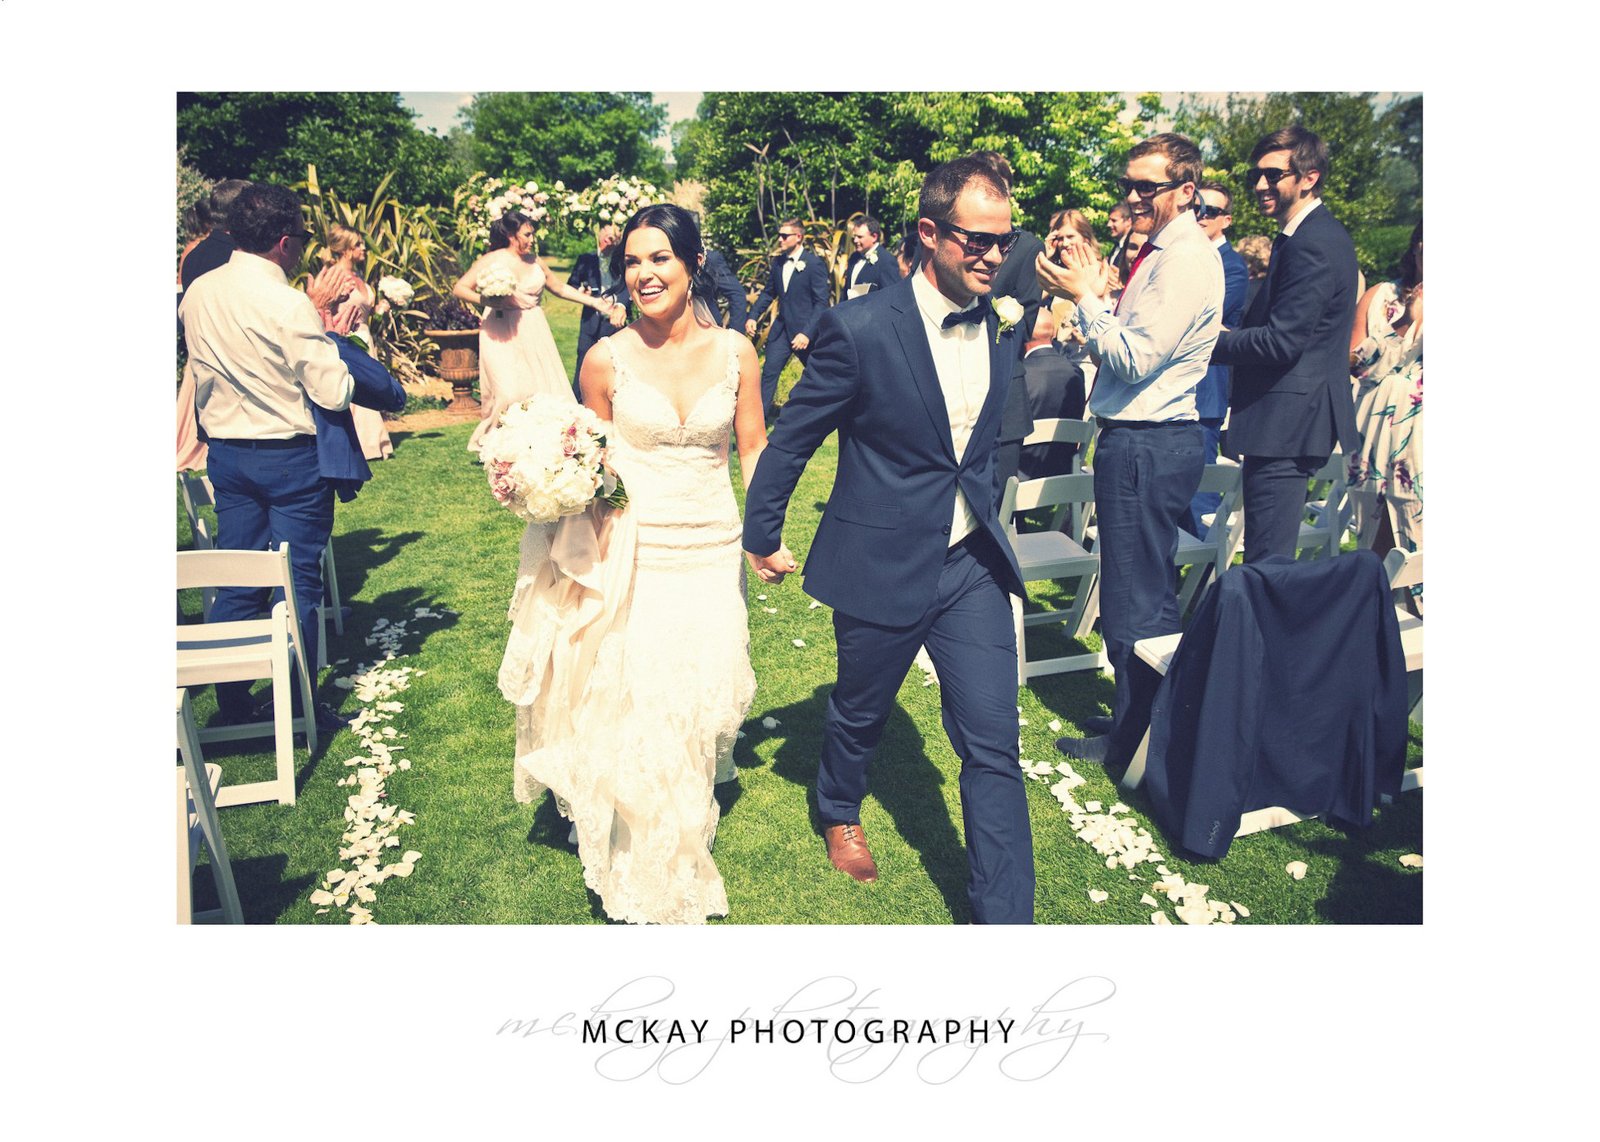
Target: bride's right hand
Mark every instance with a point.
(772, 568)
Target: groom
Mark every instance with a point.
(909, 551)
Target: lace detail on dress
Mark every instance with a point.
(634, 759)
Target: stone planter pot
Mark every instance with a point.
(458, 364)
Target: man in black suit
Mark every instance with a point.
(1213, 209)
(870, 267)
(1055, 389)
(1291, 359)
(910, 551)
(798, 282)
(592, 274)
(1119, 223)
(216, 247)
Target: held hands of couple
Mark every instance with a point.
(1079, 275)
(772, 568)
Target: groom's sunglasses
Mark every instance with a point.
(975, 243)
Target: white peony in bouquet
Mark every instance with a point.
(546, 458)
(396, 291)
(495, 284)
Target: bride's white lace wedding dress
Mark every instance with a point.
(629, 657)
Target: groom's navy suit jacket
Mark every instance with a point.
(882, 541)
(1291, 358)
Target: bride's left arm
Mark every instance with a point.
(595, 380)
(749, 421)
(561, 289)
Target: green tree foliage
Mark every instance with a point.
(1367, 187)
(354, 138)
(574, 136)
(826, 155)
(192, 186)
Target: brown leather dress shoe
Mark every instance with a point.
(847, 849)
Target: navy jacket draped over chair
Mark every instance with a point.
(1288, 689)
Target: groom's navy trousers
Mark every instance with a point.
(969, 636)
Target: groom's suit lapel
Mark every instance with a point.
(919, 359)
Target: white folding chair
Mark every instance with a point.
(1404, 569)
(1063, 430)
(197, 823)
(1215, 550)
(246, 650)
(1053, 555)
(1328, 517)
(197, 493)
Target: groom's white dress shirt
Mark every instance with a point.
(961, 358)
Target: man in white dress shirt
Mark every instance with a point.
(261, 358)
(1154, 348)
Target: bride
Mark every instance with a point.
(629, 656)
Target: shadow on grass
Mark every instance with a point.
(902, 778)
(265, 896)
(1371, 886)
(363, 619)
(358, 553)
(399, 439)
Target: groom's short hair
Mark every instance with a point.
(261, 215)
(946, 181)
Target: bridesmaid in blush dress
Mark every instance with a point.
(517, 356)
(348, 252)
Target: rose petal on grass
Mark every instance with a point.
(1149, 901)
(1055, 725)
(1099, 896)
(1412, 860)
(1296, 869)
(1161, 919)
(799, 642)
(770, 723)
(770, 610)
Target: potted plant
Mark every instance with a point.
(454, 328)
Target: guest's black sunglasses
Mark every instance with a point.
(1203, 211)
(1271, 174)
(1144, 188)
(975, 243)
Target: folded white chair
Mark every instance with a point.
(1327, 518)
(243, 651)
(1215, 550)
(197, 493)
(197, 824)
(1053, 555)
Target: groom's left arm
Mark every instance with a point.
(818, 404)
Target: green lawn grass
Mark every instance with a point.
(425, 533)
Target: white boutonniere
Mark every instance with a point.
(1009, 311)
(872, 256)
(799, 264)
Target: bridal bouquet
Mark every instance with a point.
(546, 458)
(495, 283)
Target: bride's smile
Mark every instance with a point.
(655, 276)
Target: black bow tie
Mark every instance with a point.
(970, 316)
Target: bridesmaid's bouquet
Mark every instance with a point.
(546, 458)
(495, 283)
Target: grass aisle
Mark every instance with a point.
(426, 534)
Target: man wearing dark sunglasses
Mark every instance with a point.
(1291, 399)
(910, 551)
(798, 282)
(1153, 346)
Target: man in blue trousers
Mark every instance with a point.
(261, 361)
(909, 551)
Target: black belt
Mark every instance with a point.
(304, 440)
(1105, 423)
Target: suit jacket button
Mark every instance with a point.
(947, 529)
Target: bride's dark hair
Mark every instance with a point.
(504, 228)
(683, 235)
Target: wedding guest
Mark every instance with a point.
(1068, 229)
(1055, 389)
(1386, 362)
(910, 550)
(261, 360)
(1291, 400)
(798, 281)
(217, 247)
(346, 252)
(867, 268)
(196, 226)
(905, 253)
(1119, 224)
(1256, 250)
(591, 274)
(1214, 211)
(727, 289)
(1154, 346)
